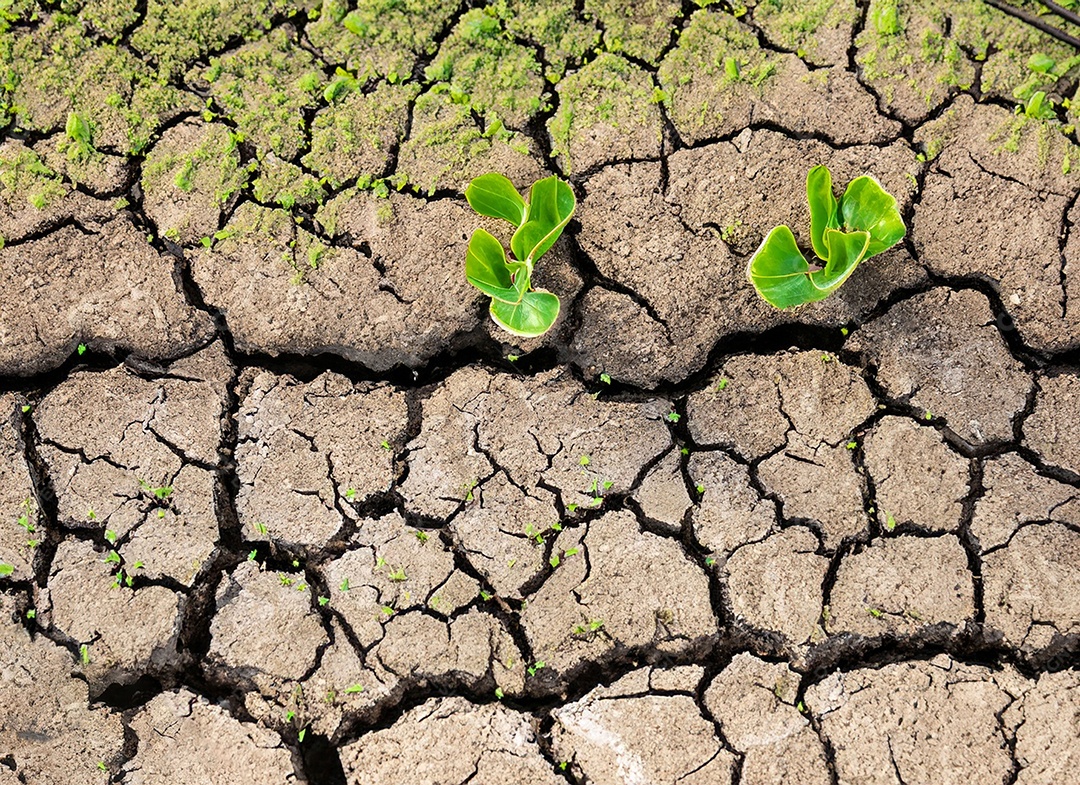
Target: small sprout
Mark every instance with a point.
(605, 378)
(380, 562)
(539, 665)
(354, 689)
(852, 445)
(101, 765)
(31, 614)
(499, 693)
(161, 513)
(422, 536)
(350, 493)
(285, 580)
(844, 331)
(386, 446)
(110, 535)
(684, 451)
(289, 715)
(929, 416)
(556, 526)
(571, 507)
(607, 485)
(534, 534)
(295, 563)
(26, 408)
(387, 610)
(584, 460)
(324, 601)
(875, 612)
(137, 565)
(84, 654)
(81, 349)
(843, 233)
(112, 557)
(571, 552)
(699, 488)
(672, 416)
(513, 357)
(890, 522)
(252, 555)
(344, 585)
(260, 528)
(710, 561)
(469, 490)
(485, 596)
(301, 734)
(731, 67)
(554, 561)
(563, 765)
(800, 707)
(722, 385)
(515, 305)
(91, 515)
(596, 501)
(398, 575)
(301, 586)
(6, 569)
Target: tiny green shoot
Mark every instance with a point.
(515, 305)
(844, 233)
(354, 689)
(605, 378)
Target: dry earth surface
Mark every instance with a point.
(278, 503)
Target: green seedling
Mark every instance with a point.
(344, 585)
(605, 378)
(515, 305)
(81, 349)
(673, 416)
(354, 689)
(398, 575)
(862, 224)
(532, 669)
(1038, 107)
(499, 693)
(324, 601)
(84, 654)
(31, 614)
(6, 569)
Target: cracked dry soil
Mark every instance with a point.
(279, 504)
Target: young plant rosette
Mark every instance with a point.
(515, 305)
(862, 224)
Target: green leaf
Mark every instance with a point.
(823, 208)
(529, 318)
(486, 267)
(846, 250)
(6, 569)
(551, 204)
(866, 207)
(495, 196)
(778, 271)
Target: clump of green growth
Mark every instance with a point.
(640, 28)
(862, 224)
(25, 179)
(488, 71)
(515, 306)
(565, 38)
(286, 184)
(803, 26)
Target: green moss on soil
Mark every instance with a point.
(379, 38)
(795, 25)
(211, 170)
(486, 69)
(175, 33)
(639, 28)
(264, 87)
(445, 147)
(355, 138)
(55, 69)
(717, 59)
(609, 91)
(553, 25)
(26, 180)
(286, 184)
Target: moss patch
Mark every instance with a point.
(818, 30)
(553, 25)
(356, 137)
(286, 184)
(607, 111)
(717, 62)
(26, 180)
(264, 87)
(379, 38)
(446, 149)
(55, 69)
(639, 28)
(485, 68)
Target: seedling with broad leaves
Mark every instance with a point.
(515, 305)
(843, 233)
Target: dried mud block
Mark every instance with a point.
(266, 630)
(775, 584)
(607, 113)
(991, 168)
(918, 480)
(446, 148)
(544, 433)
(755, 703)
(817, 483)
(49, 734)
(357, 137)
(106, 288)
(136, 457)
(711, 96)
(1046, 724)
(662, 494)
(740, 409)
(35, 198)
(127, 632)
(900, 585)
(941, 353)
(640, 29)
(190, 177)
(942, 724)
(616, 587)
(449, 740)
(96, 171)
(185, 738)
(1053, 429)
(20, 523)
(1031, 587)
(729, 512)
(617, 734)
(391, 298)
(309, 455)
(1014, 495)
